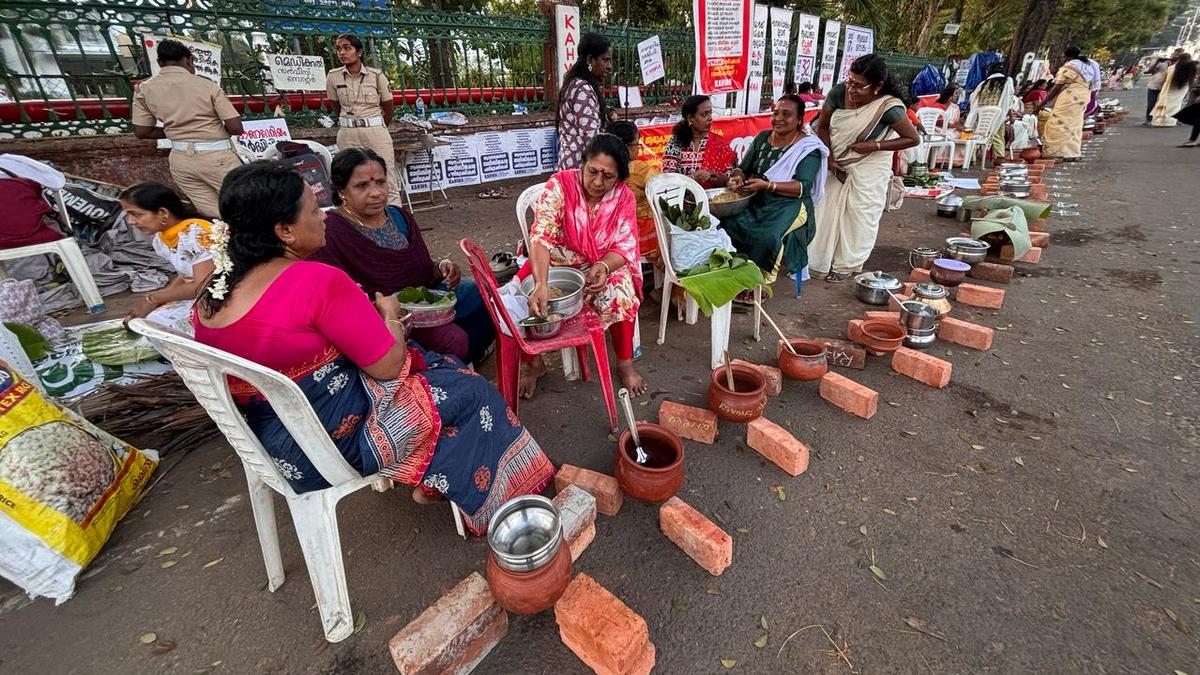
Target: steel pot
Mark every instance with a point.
(875, 288)
(949, 206)
(966, 249)
(922, 257)
(920, 339)
(964, 215)
(525, 533)
(917, 316)
(566, 279)
(933, 295)
(1018, 189)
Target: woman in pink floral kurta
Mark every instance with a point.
(587, 218)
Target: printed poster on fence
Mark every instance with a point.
(297, 72)
(418, 171)
(461, 161)
(806, 49)
(738, 131)
(524, 149)
(722, 44)
(495, 161)
(829, 53)
(749, 100)
(205, 55)
(650, 59)
(259, 136)
(859, 41)
(781, 41)
(548, 148)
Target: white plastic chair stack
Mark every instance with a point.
(68, 250)
(204, 369)
(986, 121)
(672, 187)
(929, 118)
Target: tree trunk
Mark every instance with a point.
(1031, 32)
(932, 7)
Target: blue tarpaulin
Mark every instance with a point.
(928, 81)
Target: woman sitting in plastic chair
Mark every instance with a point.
(417, 417)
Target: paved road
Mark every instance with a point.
(1038, 515)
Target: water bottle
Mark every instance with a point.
(420, 107)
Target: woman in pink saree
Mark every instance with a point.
(587, 218)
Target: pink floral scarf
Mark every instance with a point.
(613, 227)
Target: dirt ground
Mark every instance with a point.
(1038, 515)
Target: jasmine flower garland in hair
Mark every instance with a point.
(222, 265)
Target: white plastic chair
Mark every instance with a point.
(930, 118)
(673, 187)
(204, 370)
(67, 249)
(986, 121)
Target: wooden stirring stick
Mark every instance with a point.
(729, 372)
(786, 342)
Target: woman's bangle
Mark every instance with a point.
(149, 298)
(772, 186)
(607, 269)
(878, 146)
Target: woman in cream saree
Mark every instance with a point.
(1174, 92)
(1063, 136)
(864, 124)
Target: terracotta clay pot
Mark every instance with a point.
(660, 477)
(949, 273)
(530, 592)
(1031, 154)
(746, 403)
(881, 336)
(807, 364)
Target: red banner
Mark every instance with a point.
(739, 131)
(723, 44)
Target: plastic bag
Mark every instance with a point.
(64, 485)
(689, 249)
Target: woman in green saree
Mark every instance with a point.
(785, 168)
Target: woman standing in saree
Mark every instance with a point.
(1069, 97)
(1174, 92)
(785, 168)
(417, 417)
(863, 123)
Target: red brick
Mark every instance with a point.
(776, 444)
(886, 316)
(645, 661)
(454, 634)
(907, 287)
(1045, 162)
(697, 424)
(894, 301)
(1038, 225)
(919, 275)
(577, 513)
(704, 542)
(771, 374)
(854, 330)
(999, 274)
(965, 333)
(844, 354)
(1033, 255)
(601, 486)
(604, 633)
(1038, 193)
(979, 296)
(921, 367)
(1039, 239)
(849, 395)
(1087, 135)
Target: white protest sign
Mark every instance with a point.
(418, 170)
(566, 38)
(462, 161)
(494, 160)
(859, 41)
(651, 60)
(205, 55)
(523, 147)
(260, 136)
(781, 38)
(829, 53)
(806, 49)
(630, 97)
(548, 148)
(297, 72)
(750, 98)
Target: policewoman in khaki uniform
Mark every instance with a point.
(362, 101)
(198, 119)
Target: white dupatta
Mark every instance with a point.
(784, 168)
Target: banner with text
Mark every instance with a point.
(739, 131)
(829, 54)
(650, 59)
(723, 44)
(205, 55)
(806, 49)
(781, 42)
(566, 38)
(749, 99)
(259, 136)
(297, 72)
(859, 41)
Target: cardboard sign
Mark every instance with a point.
(651, 60)
(859, 41)
(297, 72)
(566, 38)
(259, 136)
(829, 54)
(205, 55)
(750, 99)
(781, 39)
(723, 44)
(806, 49)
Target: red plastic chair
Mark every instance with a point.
(580, 331)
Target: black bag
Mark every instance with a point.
(311, 167)
(91, 213)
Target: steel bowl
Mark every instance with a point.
(425, 316)
(966, 249)
(537, 328)
(1018, 189)
(873, 287)
(525, 533)
(726, 209)
(948, 206)
(568, 280)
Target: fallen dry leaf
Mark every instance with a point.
(359, 622)
(862, 529)
(889, 512)
(878, 572)
(976, 446)
(168, 563)
(762, 621)
(168, 551)
(1100, 541)
(761, 641)
(1019, 461)
(778, 490)
(212, 562)
(728, 663)
(147, 638)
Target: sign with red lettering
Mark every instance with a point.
(829, 54)
(722, 44)
(781, 38)
(259, 136)
(566, 37)
(749, 101)
(739, 131)
(859, 41)
(806, 49)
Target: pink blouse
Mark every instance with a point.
(307, 309)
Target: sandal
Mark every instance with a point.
(837, 277)
(1190, 144)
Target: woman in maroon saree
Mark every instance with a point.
(381, 248)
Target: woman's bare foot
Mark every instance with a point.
(420, 497)
(530, 373)
(633, 381)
